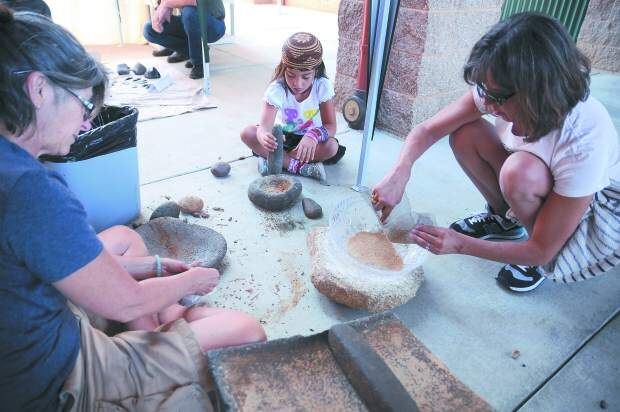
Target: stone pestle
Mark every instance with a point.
(275, 159)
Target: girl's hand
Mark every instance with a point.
(304, 152)
(267, 140)
(388, 193)
(173, 266)
(437, 240)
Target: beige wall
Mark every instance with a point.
(96, 21)
(599, 37)
(322, 5)
(432, 41)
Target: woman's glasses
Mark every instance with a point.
(86, 104)
(495, 99)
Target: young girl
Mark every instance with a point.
(301, 96)
(548, 167)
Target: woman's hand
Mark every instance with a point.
(267, 140)
(389, 192)
(204, 280)
(437, 240)
(304, 152)
(172, 266)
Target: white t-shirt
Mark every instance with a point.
(298, 117)
(583, 155)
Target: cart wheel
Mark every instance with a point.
(354, 112)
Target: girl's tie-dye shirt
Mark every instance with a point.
(298, 117)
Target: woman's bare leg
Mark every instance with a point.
(123, 241)
(225, 327)
(480, 153)
(525, 181)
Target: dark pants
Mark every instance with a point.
(182, 33)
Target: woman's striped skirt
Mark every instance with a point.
(594, 248)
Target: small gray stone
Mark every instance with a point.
(122, 69)
(166, 209)
(311, 208)
(139, 69)
(220, 169)
(152, 74)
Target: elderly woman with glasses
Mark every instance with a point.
(548, 166)
(53, 265)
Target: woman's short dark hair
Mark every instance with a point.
(532, 55)
(32, 42)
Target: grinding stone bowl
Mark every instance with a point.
(274, 192)
(187, 242)
(354, 214)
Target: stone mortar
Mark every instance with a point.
(173, 238)
(274, 192)
(349, 286)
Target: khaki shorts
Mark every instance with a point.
(137, 371)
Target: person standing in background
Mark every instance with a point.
(182, 34)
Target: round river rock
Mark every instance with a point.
(274, 192)
(166, 209)
(220, 169)
(191, 204)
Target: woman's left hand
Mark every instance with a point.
(172, 266)
(304, 152)
(437, 240)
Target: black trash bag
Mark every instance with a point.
(114, 129)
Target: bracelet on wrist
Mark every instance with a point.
(157, 266)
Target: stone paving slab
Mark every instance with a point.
(589, 378)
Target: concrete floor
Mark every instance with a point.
(566, 334)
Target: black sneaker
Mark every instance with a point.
(162, 52)
(488, 225)
(520, 278)
(189, 64)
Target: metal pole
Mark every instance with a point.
(120, 22)
(373, 90)
(206, 84)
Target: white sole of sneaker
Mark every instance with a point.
(527, 289)
(495, 237)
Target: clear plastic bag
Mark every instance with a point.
(402, 220)
(355, 214)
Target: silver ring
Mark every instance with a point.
(427, 247)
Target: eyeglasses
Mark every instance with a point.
(492, 98)
(86, 104)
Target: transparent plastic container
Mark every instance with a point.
(356, 214)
